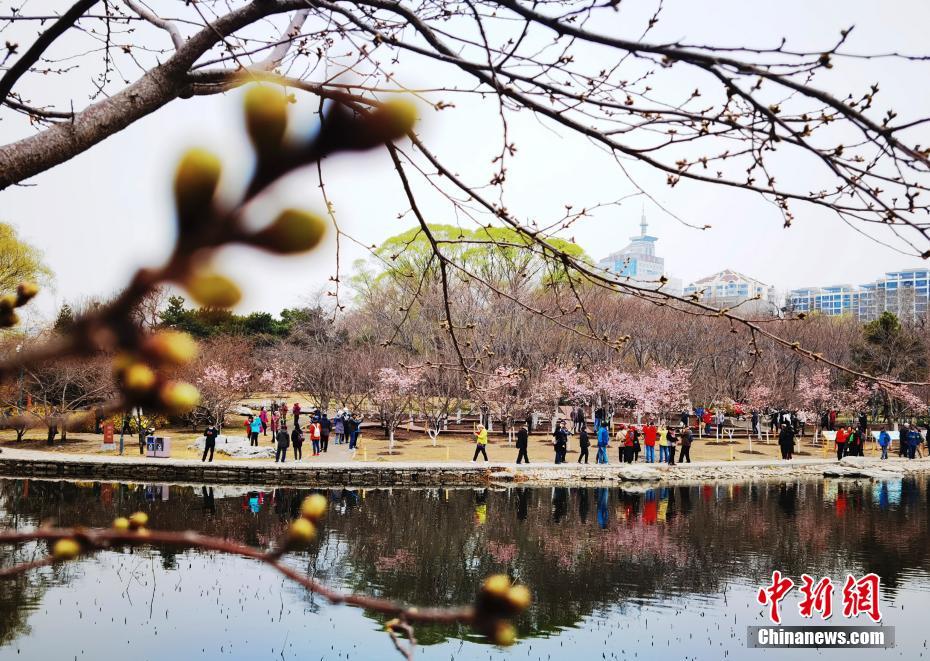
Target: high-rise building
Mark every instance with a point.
(833, 300)
(639, 263)
(905, 293)
(729, 288)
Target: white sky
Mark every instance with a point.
(101, 215)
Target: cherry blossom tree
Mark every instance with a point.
(503, 395)
(394, 393)
(220, 387)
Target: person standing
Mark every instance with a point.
(684, 418)
(914, 440)
(755, 423)
(629, 445)
(884, 440)
(720, 419)
(339, 427)
(297, 439)
(672, 439)
(786, 441)
(841, 435)
(296, 412)
(663, 446)
(649, 441)
(620, 438)
(832, 420)
(481, 443)
(583, 444)
(275, 421)
(283, 442)
(356, 430)
(263, 416)
(255, 426)
(209, 442)
(561, 442)
(686, 438)
(326, 426)
(314, 430)
(603, 440)
(282, 410)
(523, 441)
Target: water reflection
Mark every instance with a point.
(645, 545)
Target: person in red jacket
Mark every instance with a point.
(841, 435)
(296, 411)
(650, 433)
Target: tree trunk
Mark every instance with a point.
(52, 433)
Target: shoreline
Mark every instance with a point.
(28, 464)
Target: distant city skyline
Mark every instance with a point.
(112, 213)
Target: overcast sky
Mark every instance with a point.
(101, 215)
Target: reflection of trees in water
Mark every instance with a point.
(21, 594)
(581, 550)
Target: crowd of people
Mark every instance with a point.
(631, 440)
(343, 428)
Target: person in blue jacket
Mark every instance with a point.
(884, 440)
(603, 438)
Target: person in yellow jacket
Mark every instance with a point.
(481, 443)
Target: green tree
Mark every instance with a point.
(64, 322)
(19, 261)
(890, 348)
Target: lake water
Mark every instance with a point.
(668, 573)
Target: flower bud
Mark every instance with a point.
(265, 117)
(301, 532)
(293, 231)
(66, 549)
(496, 585)
(8, 318)
(139, 378)
(138, 520)
(503, 634)
(393, 120)
(7, 302)
(314, 507)
(25, 292)
(121, 523)
(195, 184)
(179, 397)
(173, 347)
(519, 597)
(213, 290)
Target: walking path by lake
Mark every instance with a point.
(340, 470)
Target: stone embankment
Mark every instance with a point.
(46, 465)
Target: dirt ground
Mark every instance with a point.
(410, 446)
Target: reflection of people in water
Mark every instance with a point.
(583, 505)
(282, 504)
(481, 506)
(253, 502)
(209, 505)
(603, 516)
(787, 499)
(559, 504)
(522, 503)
